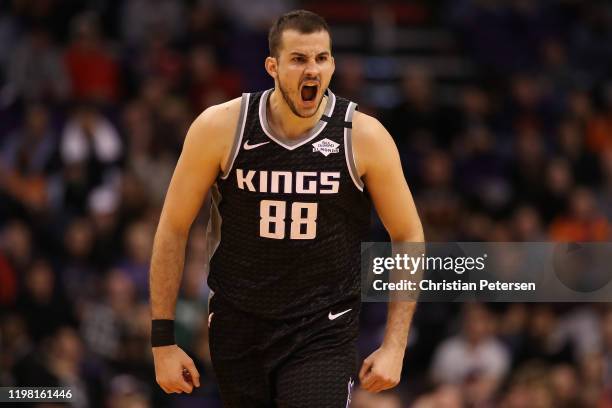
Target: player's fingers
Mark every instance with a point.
(388, 383)
(172, 390)
(373, 385)
(176, 388)
(380, 385)
(365, 368)
(184, 386)
(368, 380)
(193, 371)
(167, 386)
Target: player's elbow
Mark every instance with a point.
(412, 233)
(172, 229)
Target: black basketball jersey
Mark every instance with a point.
(292, 216)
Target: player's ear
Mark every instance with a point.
(271, 65)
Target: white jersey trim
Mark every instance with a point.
(348, 148)
(349, 387)
(313, 133)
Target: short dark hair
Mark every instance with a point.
(303, 21)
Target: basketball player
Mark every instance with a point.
(292, 172)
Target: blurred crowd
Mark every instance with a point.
(96, 97)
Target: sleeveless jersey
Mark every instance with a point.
(291, 214)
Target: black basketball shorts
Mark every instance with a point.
(307, 362)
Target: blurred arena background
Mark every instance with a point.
(502, 112)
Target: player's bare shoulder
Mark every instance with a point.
(212, 132)
(371, 142)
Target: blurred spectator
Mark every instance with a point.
(141, 17)
(259, 15)
(482, 173)
(105, 322)
(606, 349)
(580, 326)
(445, 396)
(128, 392)
(173, 122)
(35, 70)
(582, 222)
(591, 373)
(476, 108)
(30, 149)
(559, 73)
(9, 36)
(512, 326)
(15, 344)
(210, 83)
(530, 106)
(93, 70)
(529, 387)
(103, 206)
(558, 184)
(439, 203)
(527, 225)
(159, 59)
(17, 245)
(418, 122)
(528, 166)
(90, 151)
(564, 381)
(208, 26)
(474, 226)
(571, 145)
(191, 309)
(365, 399)
(149, 165)
(605, 193)
(27, 157)
(350, 81)
(43, 296)
(135, 264)
(8, 283)
(64, 363)
(79, 275)
(599, 128)
(542, 340)
(474, 357)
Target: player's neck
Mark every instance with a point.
(282, 119)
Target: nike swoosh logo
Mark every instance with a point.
(332, 316)
(247, 146)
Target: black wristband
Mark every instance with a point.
(162, 332)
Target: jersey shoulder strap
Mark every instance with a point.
(238, 134)
(343, 117)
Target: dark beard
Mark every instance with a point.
(291, 104)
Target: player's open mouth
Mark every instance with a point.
(309, 92)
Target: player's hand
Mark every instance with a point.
(169, 364)
(382, 369)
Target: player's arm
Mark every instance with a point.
(204, 154)
(379, 166)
